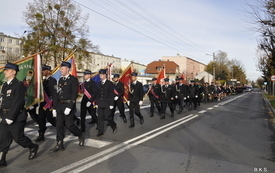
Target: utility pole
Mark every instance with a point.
(214, 67)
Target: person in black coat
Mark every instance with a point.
(135, 99)
(64, 107)
(181, 94)
(13, 115)
(89, 89)
(193, 95)
(105, 102)
(45, 108)
(154, 94)
(167, 98)
(118, 99)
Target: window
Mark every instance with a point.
(17, 42)
(2, 47)
(2, 57)
(2, 39)
(10, 40)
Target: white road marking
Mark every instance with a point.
(210, 108)
(203, 111)
(126, 145)
(216, 106)
(95, 143)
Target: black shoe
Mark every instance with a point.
(125, 120)
(99, 135)
(115, 129)
(33, 151)
(81, 139)
(40, 138)
(59, 146)
(3, 162)
(141, 120)
(151, 115)
(131, 126)
(92, 122)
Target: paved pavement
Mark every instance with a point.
(233, 135)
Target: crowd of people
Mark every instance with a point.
(100, 100)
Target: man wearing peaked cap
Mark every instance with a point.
(13, 115)
(45, 108)
(135, 100)
(118, 99)
(154, 94)
(167, 98)
(64, 107)
(105, 102)
(89, 89)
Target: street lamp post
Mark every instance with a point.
(214, 64)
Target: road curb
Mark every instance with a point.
(269, 106)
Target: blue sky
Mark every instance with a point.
(189, 28)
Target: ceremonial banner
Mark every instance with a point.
(161, 76)
(126, 79)
(30, 73)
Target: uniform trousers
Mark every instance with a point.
(120, 105)
(153, 103)
(83, 111)
(164, 106)
(14, 131)
(44, 116)
(134, 108)
(104, 114)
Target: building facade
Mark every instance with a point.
(187, 66)
(10, 48)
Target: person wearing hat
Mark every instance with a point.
(167, 98)
(154, 94)
(118, 99)
(64, 107)
(13, 115)
(45, 108)
(181, 94)
(89, 89)
(176, 99)
(135, 99)
(105, 102)
(193, 93)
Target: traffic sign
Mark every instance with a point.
(273, 78)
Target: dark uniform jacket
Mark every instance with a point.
(119, 87)
(91, 88)
(211, 89)
(181, 90)
(168, 93)
(49, 86)
(136, 92)
(193, 91)
(105, 94)
(155, 92)
(13, 101)
(67, 93)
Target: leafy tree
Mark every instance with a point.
(59, 27)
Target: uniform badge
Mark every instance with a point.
(9, 92)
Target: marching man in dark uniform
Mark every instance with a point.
(105, 102)
(181, 93)
(45, 108)
(89, 96)
(13, 115)
(168, 95)
(154, 96)
(193, 95)
(135, 99)
(118, 100)
(65, 106)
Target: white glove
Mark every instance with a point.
(8, 121)
(54, 113)
(95, 106)
(116, 98)
(176, 97)
(140, 103)
(184, 98)
(31, 107)
(196, 96)
(67, 111)
(128, 102)
(187, 96)
(88, 104)
(111, 107)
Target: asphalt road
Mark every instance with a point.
(232, 135)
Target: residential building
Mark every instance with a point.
(10, 48)
(139, 68)
(187, 66)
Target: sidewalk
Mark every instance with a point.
(270, 102)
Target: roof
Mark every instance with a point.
(155, 66)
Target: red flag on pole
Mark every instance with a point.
(161, 75)
(126, 79)
(73, 69)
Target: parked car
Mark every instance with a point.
(248, 89)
